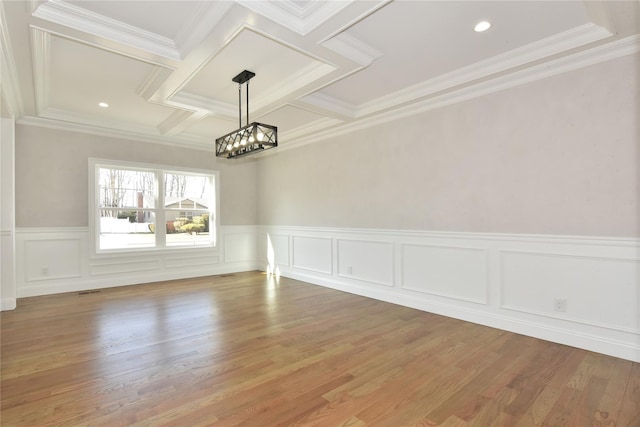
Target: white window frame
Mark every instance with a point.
(160, 236)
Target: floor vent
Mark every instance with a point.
(88, 292)
(227, 275)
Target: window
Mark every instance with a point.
(138, 206)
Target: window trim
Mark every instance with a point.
(159, 170)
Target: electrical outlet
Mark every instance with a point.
(349, 270)
(44, 271)
(560, 305)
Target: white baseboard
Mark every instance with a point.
(7, 304)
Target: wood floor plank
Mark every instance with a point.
(249, 349)
(630, 408)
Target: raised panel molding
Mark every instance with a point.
(449, 271)
(51, 259)
(192, 261)
(123, 266)
(240, 247)
(366, 260)
(313, 254)
(597, 290)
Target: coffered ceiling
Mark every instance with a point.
(322, 67)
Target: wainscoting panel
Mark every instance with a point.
(506, 281)
(313, 254)
(195, 260)
(449, 271)
(595, 291)
(54, 260)
(239, 246)
(365, 260)
(124, 265)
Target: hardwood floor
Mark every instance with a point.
(249, 350)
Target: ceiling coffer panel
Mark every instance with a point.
(77, 86)
(278, 67)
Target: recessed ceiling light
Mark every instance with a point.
(482, 26)
(103, 104)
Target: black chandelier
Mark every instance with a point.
(248, 139)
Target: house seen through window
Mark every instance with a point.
(139, 206)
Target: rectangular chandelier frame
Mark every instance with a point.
(248, 139)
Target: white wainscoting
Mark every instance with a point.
(374, 264)
(500, 280)
(54, 260)
(505, 281)
(314, 254)
(451, 271)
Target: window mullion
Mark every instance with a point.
(161, 222)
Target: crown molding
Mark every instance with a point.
(213, 107)
(600, 13)
(152, 82)
(178, 121)
(585, 58)
(149, 135)
(301, 78)
(574, 38)
(209, 15)
(9, 84)
(314, 126)
(353, 49)
(301, 19)
(89, 120)
(330, 103)
(317, 13)
(69, 15)
(41, 57)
